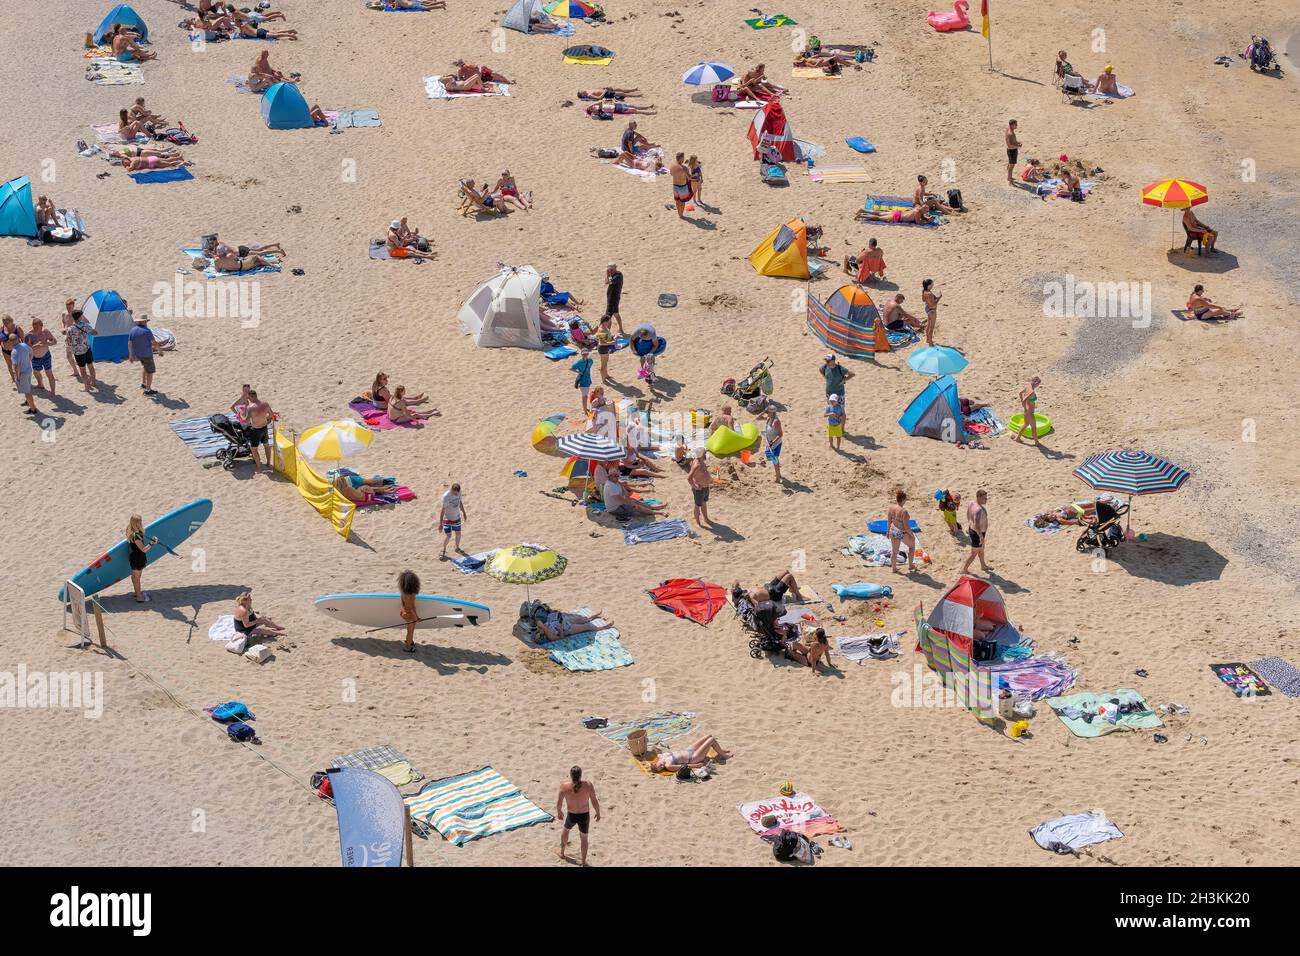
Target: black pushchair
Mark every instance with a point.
(754, 387)
(238, 445)
(1106, 534)
(1260, 55)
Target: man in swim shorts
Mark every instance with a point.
(1013, 150)
(579, 797)
(977, 523)
(40, 339)
(681, 184)
(259, 418)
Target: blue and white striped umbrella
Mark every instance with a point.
(937, 360)
(1131, 472)
(591, 446)
(704, 73)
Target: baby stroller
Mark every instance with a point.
(233, 433)
(1260, 56)
(754, 389)
(1106, 534)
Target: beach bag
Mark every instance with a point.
(724, 94)
(237, 644)
(231, 710)
(954, 199)
(637, 745)
(791, 847)
(1076, 194)
(258, 653)
(240, 732)
(684, 773)
(320, 782)
(422, 244)
(606, 153)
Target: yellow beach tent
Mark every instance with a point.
(784, 252)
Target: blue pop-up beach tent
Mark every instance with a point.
(284, 108)
(17, 215)
(936, 412)
(123, 14)
(108, 316)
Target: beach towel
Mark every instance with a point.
(473, 563)
(1031, 678)
(1049, 528)
(798, 812)
(107, 133)
(1073, 710)
(1121, 93)
(378, 759)
(595, 651)
(1279, 673)
(659, 727)
(112, 72)
(356, 119)
(812, 73)
(860, 144)
(645, 175)
(222, 629)
(1241, 680)
(390, 495)
(473, 805)
(98, 53)
(434, 89)
(240, 83)
(889, 204)
(846, 173)
(1074, 832)
(646, 531)
(876, 647)
(198, 436)
(873, 549)
(984, 422)
(772, 20)
(178, 175)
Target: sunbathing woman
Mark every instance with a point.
(917, 214)
(132, 150)
(253, 16)
(609, 93)
(143, 164)
(558, 625)
(830, 65)
(642, 164)
(466, 70)
(125, 49)
(251, 32)
(128, 128)
(608, 109)
(353, 487)
(809, 652)
(474, 83)
(697, 755)
(1203, 308)
(417, 4)
(226, 260)
(507, 186)
(380, 395)
(399, 409)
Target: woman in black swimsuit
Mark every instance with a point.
(137, 554)
(247, 622)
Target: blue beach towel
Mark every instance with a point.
(178, 175)
(656, 531)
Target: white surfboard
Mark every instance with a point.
(385, 610)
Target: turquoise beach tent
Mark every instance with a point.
(17, 215)
(936, 412)
(123, 14)
(284, 108)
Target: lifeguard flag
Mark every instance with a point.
(984, 19)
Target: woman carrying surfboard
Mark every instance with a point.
(137, 554)
(408, 585)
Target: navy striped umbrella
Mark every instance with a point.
(1130, 472)
(591, 446)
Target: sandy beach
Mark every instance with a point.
(152, 780)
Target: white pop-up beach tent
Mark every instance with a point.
(503, 312)
(519, 17)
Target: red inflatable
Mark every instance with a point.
(691, 598)
(947, 22)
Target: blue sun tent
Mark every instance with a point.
(17, 216)
(284, 108)
(936, 412)
(122, 13)
(107, 315)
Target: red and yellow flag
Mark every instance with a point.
(984, 19)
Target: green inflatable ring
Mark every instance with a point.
(1017, 421)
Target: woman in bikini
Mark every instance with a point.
(380, 395)
(609, 93)
(917, 214)
(1028, 402)
(249, 624)
(809, 652)
(466, 70)
(930, 300)
(697, 755)
(400, 411)
(143, 164)
(696, 172)
(507, 186)
(1201, 306)
(900, 532)
(227, 261)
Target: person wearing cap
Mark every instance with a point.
(583, 381)
(1028, 402)
(613, 295)
(139, 348)
(401, 242)
(835, 375)
(698, 477)
(834, 416)
(1106, 83)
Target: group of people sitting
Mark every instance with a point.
(216, 21)
(503, 197)
(398, 405)
(1068, 77)
(403, 242)
(762, 610)
(239, 258)
(1068, 186)
(125, 43)
(926, 207)
(755, 85)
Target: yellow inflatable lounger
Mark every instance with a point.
(726, 441)
(1016, 421)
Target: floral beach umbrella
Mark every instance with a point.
(526, 564)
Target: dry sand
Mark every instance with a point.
(151, 782)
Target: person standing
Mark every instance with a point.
(930, 299)
(834, 416)
(835, 375)
(20, 367)
(900, 532)
(1013, 150)
(613, 295)
(977, 524)
(681, 177)
(604, 344)
(774, 437)
(139, 347)
(698, 477)
(257, 426)
(9, 333)
(408, 586)
(67, 318)
(451, 516)
(78, 333)
(574, 804)
(137, 554)
(583, 382)
(40, 339)
(1028, 403)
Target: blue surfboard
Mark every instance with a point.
(171, 530)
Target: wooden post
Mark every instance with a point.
(99, 624)
(407, 850)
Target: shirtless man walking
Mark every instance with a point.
(260, 416)
(681, 184)
(977, 523)
(1013, 150)
(579, 796)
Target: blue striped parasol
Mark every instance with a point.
(702, 74)
(1131, 472)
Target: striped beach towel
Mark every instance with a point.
(199, 437)
(844, 173)
(658, 727)
(474, 805)
(656, 531)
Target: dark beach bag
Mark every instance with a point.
(954, 199)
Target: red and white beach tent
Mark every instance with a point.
(955, 614)
(770, 128)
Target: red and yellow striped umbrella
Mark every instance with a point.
(1174, 194)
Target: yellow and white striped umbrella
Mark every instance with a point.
(335, 441)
